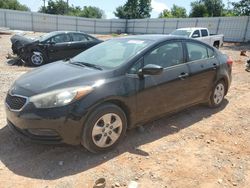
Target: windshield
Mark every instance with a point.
(185, 33)
(112, 53)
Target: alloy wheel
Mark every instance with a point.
(107, 130)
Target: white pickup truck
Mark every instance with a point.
(201, 34)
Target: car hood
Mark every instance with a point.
(22, 40)
(54, 76)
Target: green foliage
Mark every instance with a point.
(175, 12)
(242, 8)
(198, 9)
(13, 4)
(207, 8)
(165, 14)
(178, 12)
(214, 7)
(92, 12)
(61, 7)
(134, 9)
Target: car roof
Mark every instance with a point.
(154, 37)
(61, 32)
(191, 28)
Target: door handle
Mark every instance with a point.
(214, 66)
(183, 75)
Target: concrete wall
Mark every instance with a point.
(235, 29)
(32, 21)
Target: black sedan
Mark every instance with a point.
(52, 46)
(96, 96)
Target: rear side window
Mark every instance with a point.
(204, 33)
(167, 55)
(196, 51)
(79, 37)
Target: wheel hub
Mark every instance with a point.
(107, 130)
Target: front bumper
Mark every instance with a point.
(62, 128)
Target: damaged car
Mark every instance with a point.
(53, 46)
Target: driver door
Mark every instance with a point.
(169, 91)
(59, 47)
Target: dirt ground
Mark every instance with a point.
(198, 147)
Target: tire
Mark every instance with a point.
(217, 94)
(37, 59)
(99, 133)
(217, 45)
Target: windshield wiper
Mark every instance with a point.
(91, 65)
(83, 64)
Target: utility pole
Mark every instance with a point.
(44, 6)
(67, 6)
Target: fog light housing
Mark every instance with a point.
(43, 132)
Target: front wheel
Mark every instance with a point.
(217, 94)
(104, 128)
(37, 59)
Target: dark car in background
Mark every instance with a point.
(53, 46)
(121, 83)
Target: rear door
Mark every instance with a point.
(203, 69)
(59, 47)
(79, 43)
(169, 91)
(204, 36)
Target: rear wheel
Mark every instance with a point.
(217, 44)
(104, 128)
(217, 94)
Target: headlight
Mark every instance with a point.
(60, 97)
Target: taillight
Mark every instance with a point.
(229, 61)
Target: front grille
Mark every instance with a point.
(15, 102)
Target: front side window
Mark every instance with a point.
(167, 55)
(196, 34)
(198, 51)
(60, 38)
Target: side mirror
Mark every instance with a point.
(195, 36)
(150, 69)
(52, 43)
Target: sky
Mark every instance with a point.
(109, 6)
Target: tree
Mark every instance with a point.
(121, 13)
(13, 4)
(92, 12)
(144, 8)
(175, 12)
(55, 7)
(242, 8)
(165, 14)
(178, 12)
(133, 9)
(214, 7)
(61, 7)
(210, 8)
(198, 9)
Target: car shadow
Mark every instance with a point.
(51, 162)
(237, 46)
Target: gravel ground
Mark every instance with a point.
(198, 147)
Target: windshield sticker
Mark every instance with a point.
(135, 41)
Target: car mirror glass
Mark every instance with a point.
(195, 36)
